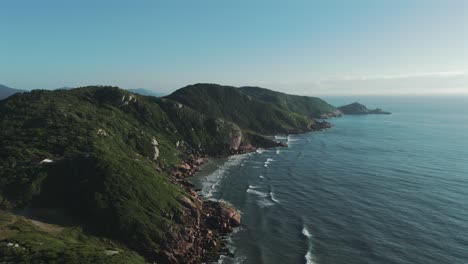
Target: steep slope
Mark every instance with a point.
(247, 112)
(104, 156)
(305, 105)
(114, 162)
(6, 91)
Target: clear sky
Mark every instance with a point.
(305, 47)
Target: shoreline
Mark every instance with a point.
(217, 219)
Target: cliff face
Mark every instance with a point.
(359, 109)
(116, 163)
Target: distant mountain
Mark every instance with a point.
(6, 91)
(305, 105)
(360, 109)
(65, 88)
(143, 91)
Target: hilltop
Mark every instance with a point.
(305, 105)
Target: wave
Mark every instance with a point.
(260, 151)
(267, 162)
(261, 177)
(306, 232)
(232, 257)
(210, 183)
(292, 139)
(265, 199)
(281, 137)
(258, 193)
(309, 257)
(273, 198)
(277, 151)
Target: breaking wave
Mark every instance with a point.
(309, 257)
(306, 232)
(273, 198)
(211, 183)
(267, 162)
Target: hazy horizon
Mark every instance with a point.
(319, 48)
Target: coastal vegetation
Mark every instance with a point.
(115, 162)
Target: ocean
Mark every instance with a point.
(372, 189)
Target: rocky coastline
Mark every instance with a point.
(208, 221)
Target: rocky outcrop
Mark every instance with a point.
(206, 222)
(336, 113)
(220, 217)
(155, 144)
(235, 138)
(359, 109)
(324, 124)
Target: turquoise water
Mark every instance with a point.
(373, 189)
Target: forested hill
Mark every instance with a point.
(305, 105)
(106, 158)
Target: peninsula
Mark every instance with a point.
(98, 174)
(359, 109)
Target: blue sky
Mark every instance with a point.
(306, 47)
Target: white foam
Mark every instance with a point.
(267, 162)
(281, 137)
(277, 151)
(264, 199)
(306, 232)
(259, 150)
(292, 139)
(272, 196)
(211, 182)
(258, 193)
(261, 177)
(309, 257)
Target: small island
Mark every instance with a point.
(360, 109)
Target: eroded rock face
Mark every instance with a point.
(336, 113)
(220, 216)
(155, 144)
(235, 138)
(200, 241)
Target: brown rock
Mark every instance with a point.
(232, 215)
(185, 167)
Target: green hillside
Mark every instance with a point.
(305, 105)
(247, 112)
(105, 158)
